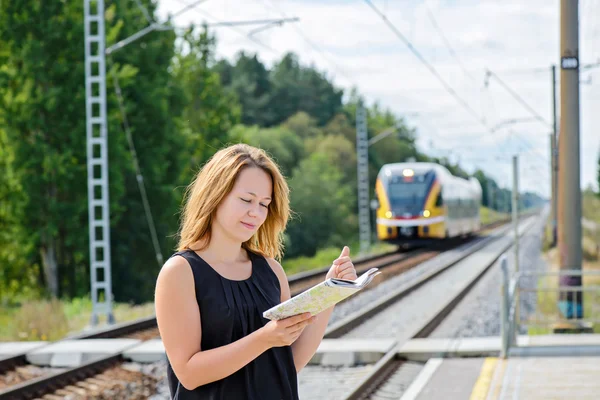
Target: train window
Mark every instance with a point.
(440, 200)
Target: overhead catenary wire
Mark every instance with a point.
(515, 95)
(314, 46)
(152, 27)
(432, 69)
(236, 29)
(446, 41)
(136, 165)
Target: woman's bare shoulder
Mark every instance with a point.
(175, 270)
(276, 267)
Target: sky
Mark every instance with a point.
(460, 40)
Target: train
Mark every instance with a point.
(421, 203)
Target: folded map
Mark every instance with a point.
(320, 297)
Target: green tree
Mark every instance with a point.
(303, 125)
(281, 143)
(154, 102)
(43, 105)
(340, 152)
(17, 277)
(295, 88)
(249, 80)
(321, 202)
(492, 196)
(210, 111)
(340, 124)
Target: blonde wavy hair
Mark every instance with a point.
(215, 181)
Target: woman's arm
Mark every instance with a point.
(307, 344)
(178, 319)
(305, 347)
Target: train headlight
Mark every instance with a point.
(389, 214)
(426, 213)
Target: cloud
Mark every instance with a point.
(517, 40)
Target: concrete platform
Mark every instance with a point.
(71, 353)
(9, 349)
(446, 379)
(491, 378)
(546, 378)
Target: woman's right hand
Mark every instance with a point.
(285, 331)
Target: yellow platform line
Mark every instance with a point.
(482, 385)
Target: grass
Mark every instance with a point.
(547, 300)
(489, 216)
(54, 319)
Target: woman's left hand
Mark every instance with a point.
(342, 267)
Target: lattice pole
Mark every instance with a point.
(97, 160)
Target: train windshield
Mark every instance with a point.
(408, 191)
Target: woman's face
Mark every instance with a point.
(245, 208)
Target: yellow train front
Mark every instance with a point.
(423, 203)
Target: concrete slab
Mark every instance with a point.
(584, 339)
(424, 349)
(69, 353)
(147, 352)
(356, 345)
(478, 347)
(349, 352)
(8, 349)
(554, 351)
(338, 352)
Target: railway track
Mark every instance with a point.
(16, 371)
(391, 375)
(19, 380)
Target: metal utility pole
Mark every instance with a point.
(569, 202)
(515, 208)
(515, 219)
(554, 159)
(362, 158)
(97, 160)
(553, 172)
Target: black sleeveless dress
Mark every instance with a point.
(230, 310)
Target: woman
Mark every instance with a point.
(211, 294)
